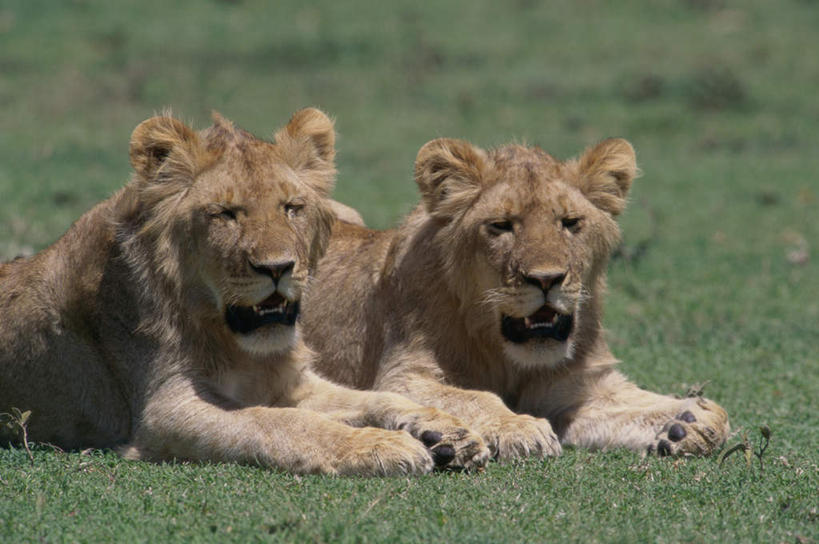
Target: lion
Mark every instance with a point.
(163, 323)
(487, 303)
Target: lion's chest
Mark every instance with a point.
(245, 387)
(256, 385)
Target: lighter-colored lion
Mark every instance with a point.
(163, 321)
(486, 303)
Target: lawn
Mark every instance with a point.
(717, 281)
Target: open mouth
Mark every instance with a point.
(544, 323)
(274, 309)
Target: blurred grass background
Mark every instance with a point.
(717, 279)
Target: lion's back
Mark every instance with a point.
(50, 353)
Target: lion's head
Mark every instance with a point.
(229, 226)
(526, 237)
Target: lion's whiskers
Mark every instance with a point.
(496, 296)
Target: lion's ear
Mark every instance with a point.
(449, 174)
(605, 173)
(164, 144)
(308, 144)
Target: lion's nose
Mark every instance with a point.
(545, 280)
(275, 269)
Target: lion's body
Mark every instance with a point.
(163, 321)
(486, 302)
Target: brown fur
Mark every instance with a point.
(509, 232)
(119, 333)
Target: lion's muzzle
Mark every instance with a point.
(275, 309)
(544, 323)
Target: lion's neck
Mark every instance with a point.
(432, 300)
(268, 379)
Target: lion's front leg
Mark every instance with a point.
(180, 422)
(604, 410)
(451, 443)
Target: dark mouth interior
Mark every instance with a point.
(544, 323)
(273, 309)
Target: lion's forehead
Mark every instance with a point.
(519, 194)
(256, 160)
(529, 174)
(233, 182)
(515, 154)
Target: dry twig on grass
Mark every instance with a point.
(14, 422)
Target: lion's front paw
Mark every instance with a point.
(700, 428)
(452, 444)
(379, 452)
(520, 435)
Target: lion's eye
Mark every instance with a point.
(499, 227)
(572, 224)
(293, 209)
(221, 212)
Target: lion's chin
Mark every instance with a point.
(268, 340)
(539, 354)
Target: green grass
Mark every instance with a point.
(718, 97)
(580, 496)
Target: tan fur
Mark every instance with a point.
(510, 232)
(124, 332)
(346, 213)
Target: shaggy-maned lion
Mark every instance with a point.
(163, 321)
(487, 301)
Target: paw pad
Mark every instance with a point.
(443, 455)
(430, 438)
(676, 432)
(687, 416)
